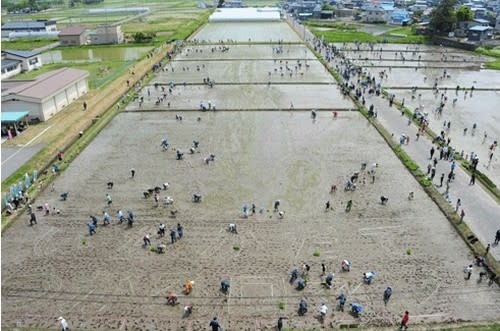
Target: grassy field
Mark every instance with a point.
(494, 52)
(27, 44)
(334, 31)
(403, 35)
(344, 36)
(169, 19)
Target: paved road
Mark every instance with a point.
(14, 158)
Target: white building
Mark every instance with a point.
(45, 95)
(10, 68)
(15, 62)
(108, 34)
(40, 26)
(374, 14)
(245, 14)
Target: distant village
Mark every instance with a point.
(484, 25)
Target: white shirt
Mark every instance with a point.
(64, 324)
(323, 309)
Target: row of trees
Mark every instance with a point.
(444, 17)
(25, 6)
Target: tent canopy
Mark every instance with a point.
(14, 116)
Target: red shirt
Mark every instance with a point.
(406, 317)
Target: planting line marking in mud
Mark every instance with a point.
(131, 287)
(379, 228)
(298, 251)
(51, 231)
(431, 295)
(430, 315)
(357, 287)
(212, 249)
(79, 301)
(229, 297)
(263, 284)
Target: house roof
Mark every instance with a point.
(13, 116)
(9, 63)
(481, 21)
(373, 8)
(72, 31)
(19, 25)
(47, 84)
(23, 54)
(480, 28)
(386, 6)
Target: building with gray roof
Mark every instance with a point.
(46, 95)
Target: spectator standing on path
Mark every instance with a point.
(432, 152)
(404, 321)
(468, 270)
(487, 250)
(132, 172)
(462, 215)
(441, 180)
(497, 237)
(473, 178)
(276, 205)
(32, 218)
(63, 323)
(457, 206)
(323, 268)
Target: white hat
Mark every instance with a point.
(60, 318)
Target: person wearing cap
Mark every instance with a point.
(63, 323)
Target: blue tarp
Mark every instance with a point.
(14, 116)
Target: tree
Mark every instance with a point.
(417, 15)
(141, 37)
(327, 6)
(464, 14)
(443, 17)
